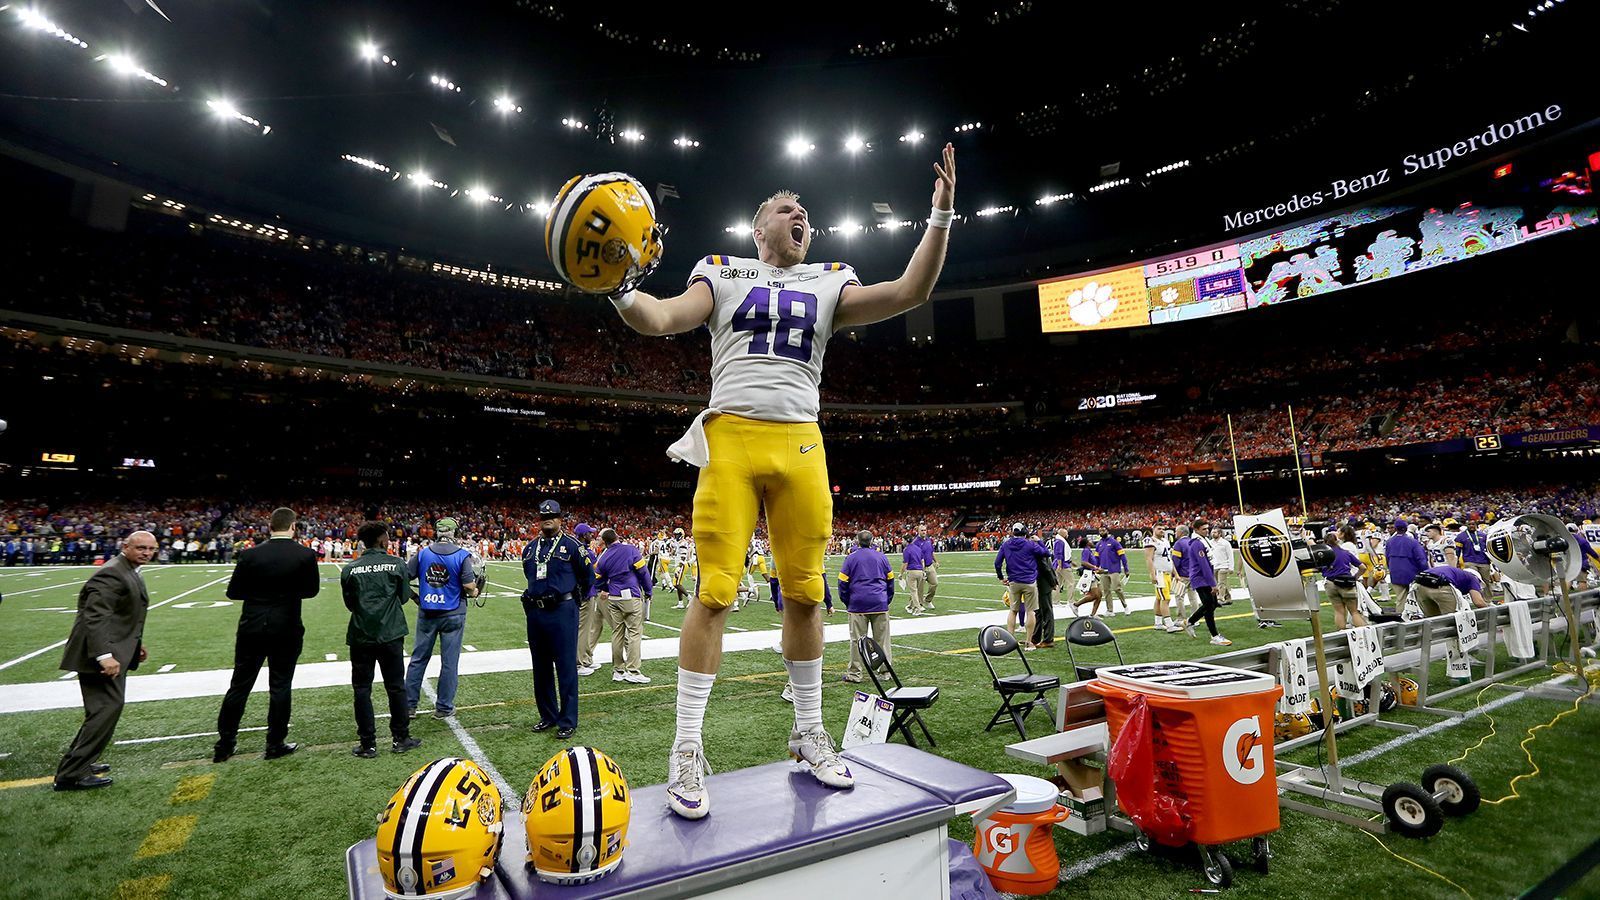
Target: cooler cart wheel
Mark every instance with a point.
(1412, 811)
(1218, 868)
(1260, 854)
(1142, 841)
(1460, 792)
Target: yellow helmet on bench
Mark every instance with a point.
(440, 834)
(577, 811)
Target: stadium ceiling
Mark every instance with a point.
(1082, 129)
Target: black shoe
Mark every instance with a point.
(280, 751)
(566, 733)
(439, 713)
(411, 711)
(99, 768)
(365, 751)
(410, 743)
(86, 783)
(221, 752)
(542, 725)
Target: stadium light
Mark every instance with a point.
(911, 137)
(478, 194)
(34, 19)
(994, 211)
(123, 64)
(799, 146)
(443, 82)
(1048, 199)
(573, 123)
(423, 179)
(506, 105)
(540, 207)
(365, 163)
(1107, 185)
(684, 142)
(226, 110)
(740, 229)
(390, 60)
(854, 144)
(1162, 170)
(369, 51)
(632, 134)
(969, 126)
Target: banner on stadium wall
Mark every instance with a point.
(1269, 567)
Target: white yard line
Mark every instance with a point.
(511, 798)
(63, 642)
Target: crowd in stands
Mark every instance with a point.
(210, 531)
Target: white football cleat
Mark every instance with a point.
(1221, 641)
(814, 749)
(636, 678)
(1174, 628)
(586, 670)
(686, 787)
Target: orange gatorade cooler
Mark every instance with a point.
(1016, 846)
(1210, 736)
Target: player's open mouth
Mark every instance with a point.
(798, 233)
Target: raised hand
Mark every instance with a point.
(944, 186)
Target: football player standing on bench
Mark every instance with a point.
(758, 443)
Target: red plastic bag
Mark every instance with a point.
(1132, 768)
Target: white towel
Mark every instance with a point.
(1294, 676)
(692, 447)
(1366, 654)
(1519, 633)
(1365, 603)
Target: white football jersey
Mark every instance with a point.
(683, 549)
(1163, 557)
(769, 328)
(1591, 532)
(1436, 551)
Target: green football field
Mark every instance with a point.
(175, 825)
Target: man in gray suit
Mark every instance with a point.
(107, 642)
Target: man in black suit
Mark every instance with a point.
(107, 642)
(271, 580)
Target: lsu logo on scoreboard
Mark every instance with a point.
(1265, 549)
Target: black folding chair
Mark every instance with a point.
(994, 642)
(908, 701)
(1088, 631)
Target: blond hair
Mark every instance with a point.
(762, 209)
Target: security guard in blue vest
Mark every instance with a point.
(559, 570)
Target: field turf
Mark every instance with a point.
(177, 826)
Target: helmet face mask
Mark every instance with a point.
(440, 834)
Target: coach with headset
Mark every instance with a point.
(559, 572)
(446, 573)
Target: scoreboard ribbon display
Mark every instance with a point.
(1115, 299)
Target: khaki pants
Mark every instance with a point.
(627, 627)
(1069, 585)
(875, 625)
(916, 587)
(931, 574)
(1026, 595)
(1436, 601)
(1347, 597)
(591, 620)
(1485, 572)
(1111, 583)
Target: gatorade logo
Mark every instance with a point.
(1001, 841)
(1241, 751)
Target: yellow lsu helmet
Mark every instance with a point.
(1408, 691)
(577, 812)
(602, 233)
(1290, 725)
(440, 834)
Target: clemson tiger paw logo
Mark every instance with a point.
(1091, 304)
(1169, 296)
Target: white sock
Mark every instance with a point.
(694, 689)
(1158, 620)
(806, 677)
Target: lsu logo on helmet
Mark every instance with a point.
(1265, 549)
(602, 235)
(577, 812)
(440, 834)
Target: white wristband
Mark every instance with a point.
(624, 301)
(940, 218)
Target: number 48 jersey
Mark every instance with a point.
(769, 328)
